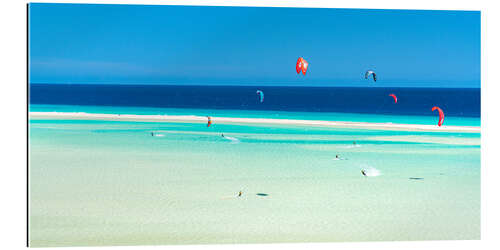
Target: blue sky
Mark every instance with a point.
(139, 44)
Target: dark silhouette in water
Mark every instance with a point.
(240, 193)
(363, 172)
(337, 157)
(152, 134)
(416, 178)
(262, 194)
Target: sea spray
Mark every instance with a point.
(370, 171)
(232, 139)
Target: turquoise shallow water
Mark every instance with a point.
(112, 183)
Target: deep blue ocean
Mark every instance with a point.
(464, 102)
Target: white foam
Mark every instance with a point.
(370, 171)
(232, 139)
(339, 159)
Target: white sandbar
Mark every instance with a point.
(233, 120)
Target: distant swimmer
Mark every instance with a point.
(222, 134)
(240, 193)
(338, 158)
(152, 134)
(354, 143)
(363, 172)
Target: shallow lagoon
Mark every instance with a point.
(112, 183)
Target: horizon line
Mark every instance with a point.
(252, 85)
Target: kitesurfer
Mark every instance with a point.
(441, 115)
(301, 65)
(261, 94)
(395, 98)
(372, 73)
(209, 122)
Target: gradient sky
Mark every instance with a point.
(140, 44)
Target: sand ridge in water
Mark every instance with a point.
(192, 118)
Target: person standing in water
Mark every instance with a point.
(240, 193)
(363, 172)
